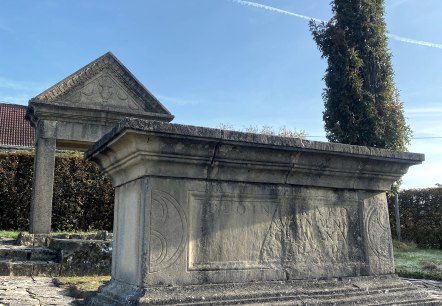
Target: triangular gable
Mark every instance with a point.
(103, 84)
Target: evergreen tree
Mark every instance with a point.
(362, 105)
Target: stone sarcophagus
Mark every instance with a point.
(199, 206)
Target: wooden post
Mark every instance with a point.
(397, 217)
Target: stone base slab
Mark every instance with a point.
(383, 290)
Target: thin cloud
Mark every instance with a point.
(6, 29)
(284, 12)
(397, 3)
(19, 85)
(424, 110)
(176, 101)
(17, 99)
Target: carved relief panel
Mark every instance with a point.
(103, 90)
(228, 231)
(247, 231)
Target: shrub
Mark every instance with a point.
(265, 130)
(421, 216)
(83, 198)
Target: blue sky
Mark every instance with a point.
(214, 62)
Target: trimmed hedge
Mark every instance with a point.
(420, 213)
(83, 199)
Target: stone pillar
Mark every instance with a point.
(43, 179)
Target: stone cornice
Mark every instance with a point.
(185, 131)
(43, 111)
(139, 148)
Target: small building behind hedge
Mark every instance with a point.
(71, 115)
(15, 131)
(83, 198)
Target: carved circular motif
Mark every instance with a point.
(378, 231)
(168, 232)
(158, 242)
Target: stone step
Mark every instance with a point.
(29, 268)
(83, 257)
(75, 256)
(411, 297)
(21, 253)
(388, 291)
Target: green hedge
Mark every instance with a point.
(83, 199)
(420, 215)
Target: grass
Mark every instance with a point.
(9, 234)
(80, 287)
(74, 233)
(411, 261)
(14, 234)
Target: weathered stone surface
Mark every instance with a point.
(18, 260)
(37, 240)
(383, 290)
(29, 268)
(25, 253)
(45, 239)
(87, 104)
(83, 257)
(75, 113)
(203, 153)
(38, 291)
(197, 206)
(43, 178)
(58, 257)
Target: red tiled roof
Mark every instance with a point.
(14, 129)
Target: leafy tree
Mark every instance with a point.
(362, 105)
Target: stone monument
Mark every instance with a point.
(75, 113)
(206, 216)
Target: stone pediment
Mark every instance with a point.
(105, 84)
(104, 90)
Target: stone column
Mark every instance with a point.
(43, 179)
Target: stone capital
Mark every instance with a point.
(46, 129)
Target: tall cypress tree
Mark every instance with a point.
(362, 105)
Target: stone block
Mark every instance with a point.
(83, 257)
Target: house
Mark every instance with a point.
(15, 131)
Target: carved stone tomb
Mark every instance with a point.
(206, 216)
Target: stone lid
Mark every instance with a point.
(248, 139)
(103, 86)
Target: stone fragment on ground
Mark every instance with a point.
(38, 291)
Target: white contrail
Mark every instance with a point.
(392, 36)
(274, 9)
(413, 41)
